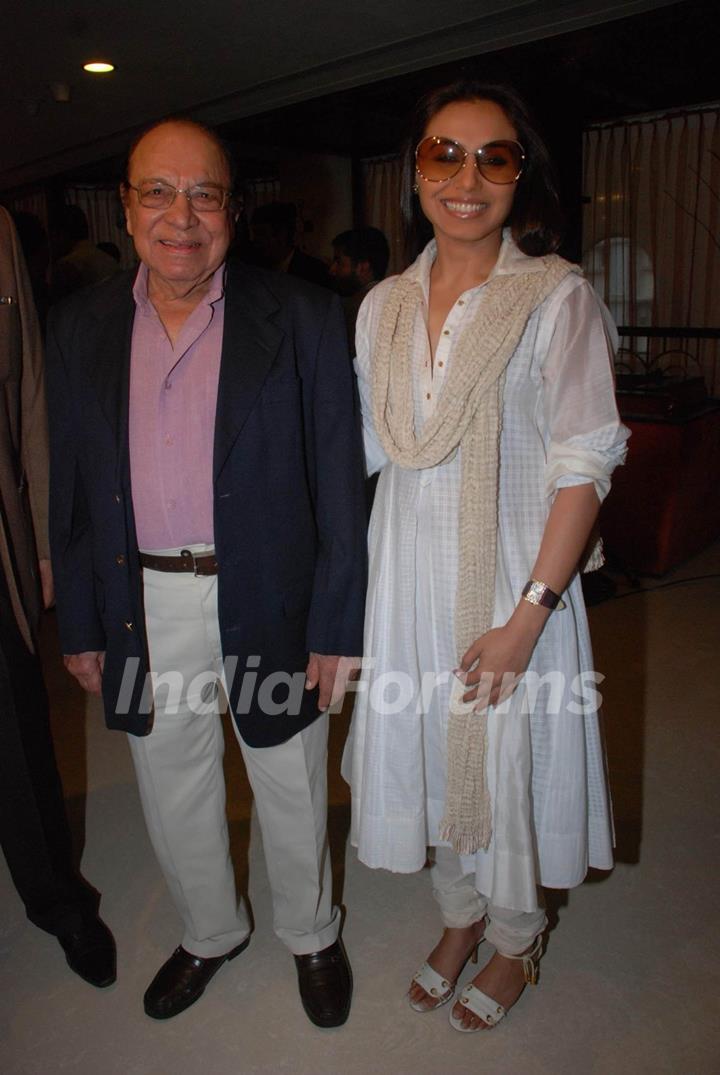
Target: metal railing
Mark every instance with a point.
(656, 353)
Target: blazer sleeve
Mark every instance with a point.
(79, 622)
(334, 452)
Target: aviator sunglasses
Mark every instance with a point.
(437, 159)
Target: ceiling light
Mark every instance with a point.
(98, 67)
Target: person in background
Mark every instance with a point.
(274, 230)
(485, 372)
(110, 248)
(76, 261)
(360, 260)
(34, 829)
(207, 526)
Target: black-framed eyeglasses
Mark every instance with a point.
(204, 198)
(437, 159)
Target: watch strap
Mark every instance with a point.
(537, 593)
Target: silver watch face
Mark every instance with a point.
(536, 592)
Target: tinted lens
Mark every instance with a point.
(207, 199)
(438, 158)
(155, 195)
(500, 162)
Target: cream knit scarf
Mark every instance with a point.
(467, 416)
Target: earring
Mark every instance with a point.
(415, 188)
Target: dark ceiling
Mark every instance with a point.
(665, 58)
(662, 59)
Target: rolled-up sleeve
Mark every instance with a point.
(587, 440)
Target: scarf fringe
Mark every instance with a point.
(466, 841)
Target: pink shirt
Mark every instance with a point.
(173, 396)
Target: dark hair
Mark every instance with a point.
(280, 217)
(365, 244)
(185, 121)
(535, 219)
(71, 222)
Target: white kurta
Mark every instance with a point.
(546, 767)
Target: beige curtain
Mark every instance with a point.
(101, 206)
(650, 230)
(381, 184)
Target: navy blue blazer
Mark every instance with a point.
(289, 516)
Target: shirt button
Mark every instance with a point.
(129, 625)
(172, 504)
(427, 396)
(461, 302)
(441, 363)
(120, 559)
(117, 498)
(169, 440)
(168, 385)
(446, 332)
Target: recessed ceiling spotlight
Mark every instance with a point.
(98, 67)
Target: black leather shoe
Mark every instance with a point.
(90, 952)
(182, 980)
(325, 982)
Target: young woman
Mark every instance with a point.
(485, 372)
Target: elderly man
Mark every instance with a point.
(207, 532)
(33, 826)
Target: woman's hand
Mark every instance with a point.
(493, 665)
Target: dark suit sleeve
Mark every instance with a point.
(334, 450)
(70, 528)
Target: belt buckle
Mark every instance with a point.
(187, 554)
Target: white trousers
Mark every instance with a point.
(510, 932)
(182, 786)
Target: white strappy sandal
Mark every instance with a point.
(436, 986)
(485, 1007)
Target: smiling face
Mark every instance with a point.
(181, 248)
(468, 208)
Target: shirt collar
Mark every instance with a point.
(511, 261)
(215, 292)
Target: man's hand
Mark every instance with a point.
(331, 674)
(46, 583)
(87, 669)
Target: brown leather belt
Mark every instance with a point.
(203, 564)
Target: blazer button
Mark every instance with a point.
(120, 559)
(117, 498)
(130, 626)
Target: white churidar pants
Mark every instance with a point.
(510, 932)
(182, 786)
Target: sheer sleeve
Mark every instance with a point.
(374, 455)
(587, 438)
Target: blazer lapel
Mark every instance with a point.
(251, 340)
